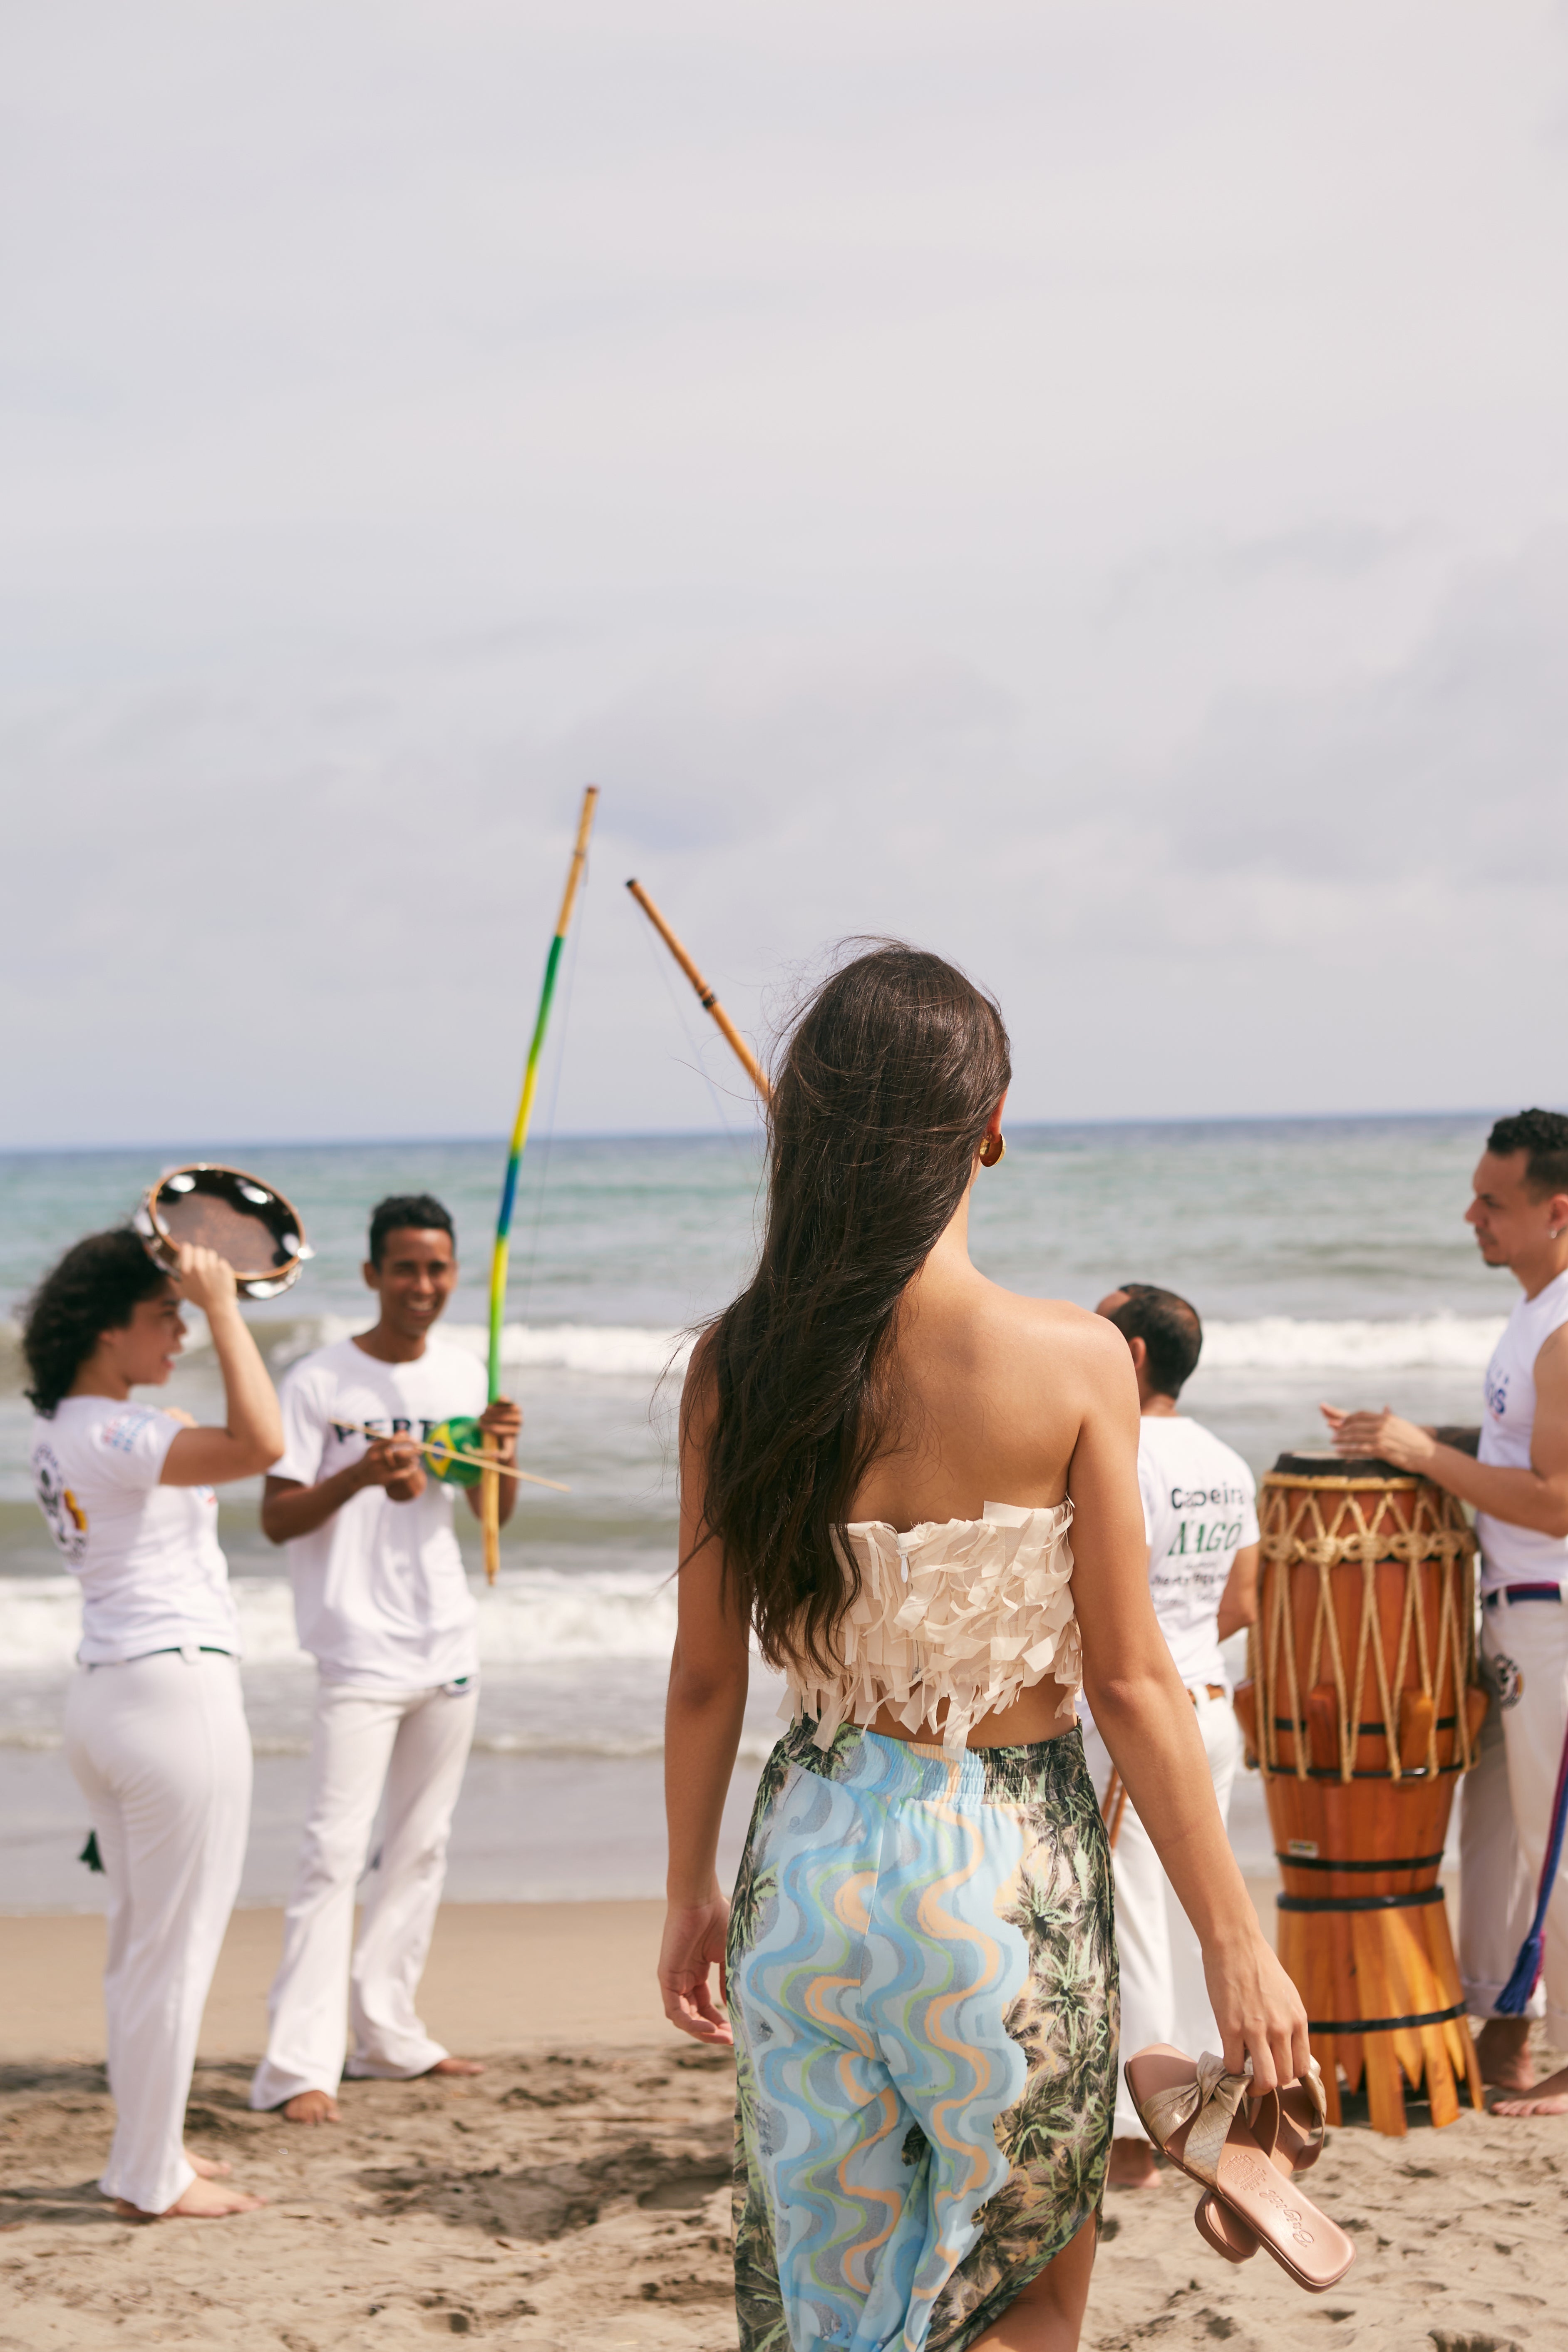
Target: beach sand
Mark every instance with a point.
(576, 2193)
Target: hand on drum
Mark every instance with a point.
(1381, 1436)
(204, 1279)
(1260, 2014)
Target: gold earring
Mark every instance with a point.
(993, 1159)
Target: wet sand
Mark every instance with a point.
(577, 2194)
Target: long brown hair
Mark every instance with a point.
(888, 1077)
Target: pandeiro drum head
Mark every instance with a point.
(248, 1223)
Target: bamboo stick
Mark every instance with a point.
(453, 1454)
(490, 1484)
(706, 997)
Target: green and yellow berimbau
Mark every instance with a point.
(490, 1498)
(451, 1448)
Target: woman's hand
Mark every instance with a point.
(206, 1279)
(693, 1945)
(1258, 2011)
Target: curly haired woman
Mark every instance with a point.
(155, 1727)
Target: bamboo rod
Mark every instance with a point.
(706, 997)
(490, 1484)
(451, 1454)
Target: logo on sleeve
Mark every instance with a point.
(119, 1435)
(66, 1520)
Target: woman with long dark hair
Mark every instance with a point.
(155, 1727)
(881, 1455)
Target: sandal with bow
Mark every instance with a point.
(1287, 2125)
(1194, 2114)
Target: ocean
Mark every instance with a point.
(1327, 1257)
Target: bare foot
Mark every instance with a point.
(1548, 2098)
(1502, 2052)
(208, 2167)
(1132, 2165)
(456, 2066)
(203, 2201)
(310, 2107)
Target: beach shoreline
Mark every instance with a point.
(577, 2192)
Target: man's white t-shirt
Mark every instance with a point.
(153, 1574)
(1200, 1509)
(379, 1596)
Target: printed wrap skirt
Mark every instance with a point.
(922, 1980)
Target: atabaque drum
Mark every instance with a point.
(247, 1223)
(1363, 1707)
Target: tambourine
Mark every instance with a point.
(249, 1224)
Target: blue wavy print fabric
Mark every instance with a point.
(922, 1982)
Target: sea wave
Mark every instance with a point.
(1284, 1343)
(533, 1617)
(619, 1352)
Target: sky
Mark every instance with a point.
(1083, 487)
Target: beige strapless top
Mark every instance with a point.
(973, 1611)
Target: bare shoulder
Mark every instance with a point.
(699, 1390)
(1066, 1334)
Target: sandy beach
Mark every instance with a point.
(576, 2193)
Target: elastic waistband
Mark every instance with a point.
(1520, 1593)
(912, 1770)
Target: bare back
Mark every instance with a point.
(1014, 1400)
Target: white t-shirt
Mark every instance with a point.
(379, 1596)
(152, 1575)
(1200, 1509)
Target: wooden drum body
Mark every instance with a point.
(1362, 1710)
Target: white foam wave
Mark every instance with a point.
(612, 1350)
(1279, 1343)
(534, 1617)
(1282, 1343)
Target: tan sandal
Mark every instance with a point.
(1287, 2125)
(1193, 2114)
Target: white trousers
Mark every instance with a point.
(1164, 1996)
(414, 1744)
(160, 1752)
(1508, 1807)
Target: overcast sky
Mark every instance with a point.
(1085, 487)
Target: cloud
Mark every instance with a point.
(1080, 488)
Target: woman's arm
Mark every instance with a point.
(253, 1435)
(1146, 1721)
(707, 1704)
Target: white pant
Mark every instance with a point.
(1508, 1807)
(1164, 1997)
(160, 1752)
(415, 1744)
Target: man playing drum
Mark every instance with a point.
(380, 1600)
(1519, 1485)
(1200, 1513)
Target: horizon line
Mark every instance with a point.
(724, 1135)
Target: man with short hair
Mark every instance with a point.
(381, 1601)
(1200, 1513)
(1517, 1479)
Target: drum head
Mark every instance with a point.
(224, 1209)
(1335, 1465)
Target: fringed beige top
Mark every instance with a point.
(973, 1611)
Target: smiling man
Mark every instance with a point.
(381, 1602)
(1518, 1483)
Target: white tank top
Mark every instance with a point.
(1512, 1555)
